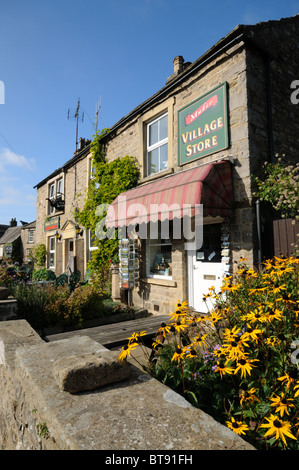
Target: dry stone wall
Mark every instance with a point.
(136, 413)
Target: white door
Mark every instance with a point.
(70, 257)
(205, 269)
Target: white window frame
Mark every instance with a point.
(52, 252)
(59, 187)
(51, 196)
(156, 145)
(30, 236)
(55, 189)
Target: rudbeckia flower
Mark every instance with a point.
(279, 428)
(289, 378)
(126, 351)
(237, 426)
(223, 369)
(178, 355)
(245, 366)
(181, 305)
(248, 397)
(282, 403)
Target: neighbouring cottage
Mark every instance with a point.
(17, 242)
(199, 140)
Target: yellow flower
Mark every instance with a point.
(272, 341)
(223, 369)
(237, 426)
(179, 326)
(164, 329)
(231, 334)
(178, 355)
(289, 378)
(181, 305)
(274, 314)
(126, 351)
(136, 336)
(278, 427)
(252, 333)
(215, 316)
(199, 340)
(282, 403)
(235, 349)
(248, 396)
(245, 366)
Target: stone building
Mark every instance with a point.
(28, 240)
(198, 141)
(58, 196)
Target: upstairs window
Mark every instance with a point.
(56, 197)
(157, 145)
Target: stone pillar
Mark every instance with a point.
(115, 294)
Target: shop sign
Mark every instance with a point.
(203, 126)
(52, 224)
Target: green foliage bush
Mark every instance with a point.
(47, 305)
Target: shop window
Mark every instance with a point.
(157, 145)
(159, 258)
(52, 252)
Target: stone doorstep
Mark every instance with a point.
(136, 413)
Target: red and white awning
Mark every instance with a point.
(209, 185)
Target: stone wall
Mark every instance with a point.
(137, 413)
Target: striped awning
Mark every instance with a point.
(166, 198)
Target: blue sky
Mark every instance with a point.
(116, 52)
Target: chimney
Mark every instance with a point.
(178, 67)
(81, 143)
(178, 64)
(13, 223)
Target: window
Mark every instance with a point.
(51, 197)
(92, 171)
(159, 258)
(59, 188)
(30, 236)
(52, 252)
(157, 145)
(56, 200)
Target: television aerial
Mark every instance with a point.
(76, 115)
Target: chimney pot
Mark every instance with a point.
(178, 64)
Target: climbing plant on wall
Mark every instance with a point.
(109, 179)
(280, 187)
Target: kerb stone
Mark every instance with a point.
(89, 371)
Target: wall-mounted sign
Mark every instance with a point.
(52, 224)
(203, 126)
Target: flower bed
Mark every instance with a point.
(239, 363)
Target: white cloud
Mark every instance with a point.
(9, 158)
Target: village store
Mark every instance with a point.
(198, 142)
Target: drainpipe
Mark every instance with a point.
(259, 232)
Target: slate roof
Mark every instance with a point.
(11, 234)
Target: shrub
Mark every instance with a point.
(47, 305)
(238, 362)
(43, 275)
